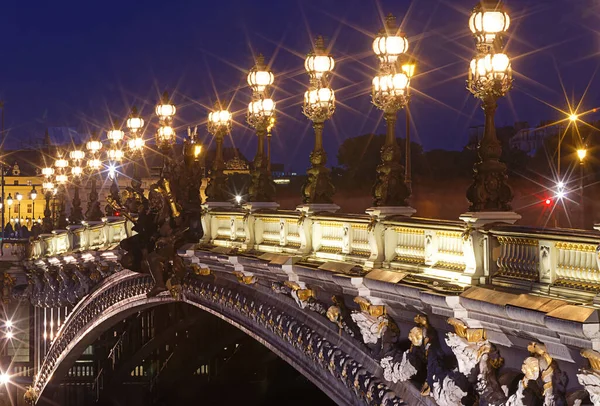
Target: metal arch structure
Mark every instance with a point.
(334, 363)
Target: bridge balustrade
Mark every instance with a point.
(90, 236)
(562, 262)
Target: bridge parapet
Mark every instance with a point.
(90, 236)
(559, 262)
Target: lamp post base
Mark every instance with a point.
(481, 218)
(311, 208)
(382, 212)
(254, 206)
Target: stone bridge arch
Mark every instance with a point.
(339, 366)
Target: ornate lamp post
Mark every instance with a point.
(390, 94)
(47, 189)
(165, 135)
(319, 106)
(260, 112)
(19, 197)
(135, 144)
(490, 77)
(581, 154)
(93, 146)
(61, 165)
(9, 202)
(33, 195)
(409, 70)
(77, 157)
(219, 124)
(269, 134)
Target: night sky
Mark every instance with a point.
(77, 63)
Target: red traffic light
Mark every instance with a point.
(548, 202)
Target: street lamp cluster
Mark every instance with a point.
(92, 162)
(489, 78)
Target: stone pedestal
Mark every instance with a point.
(254, 206)
(481, 218)
(475, 243)
(382, 212)
(312, 208)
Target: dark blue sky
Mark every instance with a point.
(74, 63)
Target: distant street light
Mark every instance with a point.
(581, 154)
(490, 77)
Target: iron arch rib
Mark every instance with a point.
(331, 361)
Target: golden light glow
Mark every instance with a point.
(77, 171)
(581, 153)
(94, 164)
(61, 163)
(77, 155)
(93, 146)
(409, 69)
(262, 107)
(197, 150)
(135, 123)
(115, 136)
(573, 117)
(136, 144)
(48, 171)
(164, 110)
(393, 84)
(323, 96)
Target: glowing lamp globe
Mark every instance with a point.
(390, 43)
(134, 122)
(391, 84)
(94, 164)
(115, 154)
(61, 179)
(165, 109)
(219, 120)
(77, 171)
(490, 67)
(48, 171)
(262, 108)
(318, 62)
(93, 146)
(136, 144)
(115, 136)
(259, 76)
(77, 155)
(165, 135)
(488, 20)
(323, 97)
(61, 163)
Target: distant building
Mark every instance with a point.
(530, 140)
